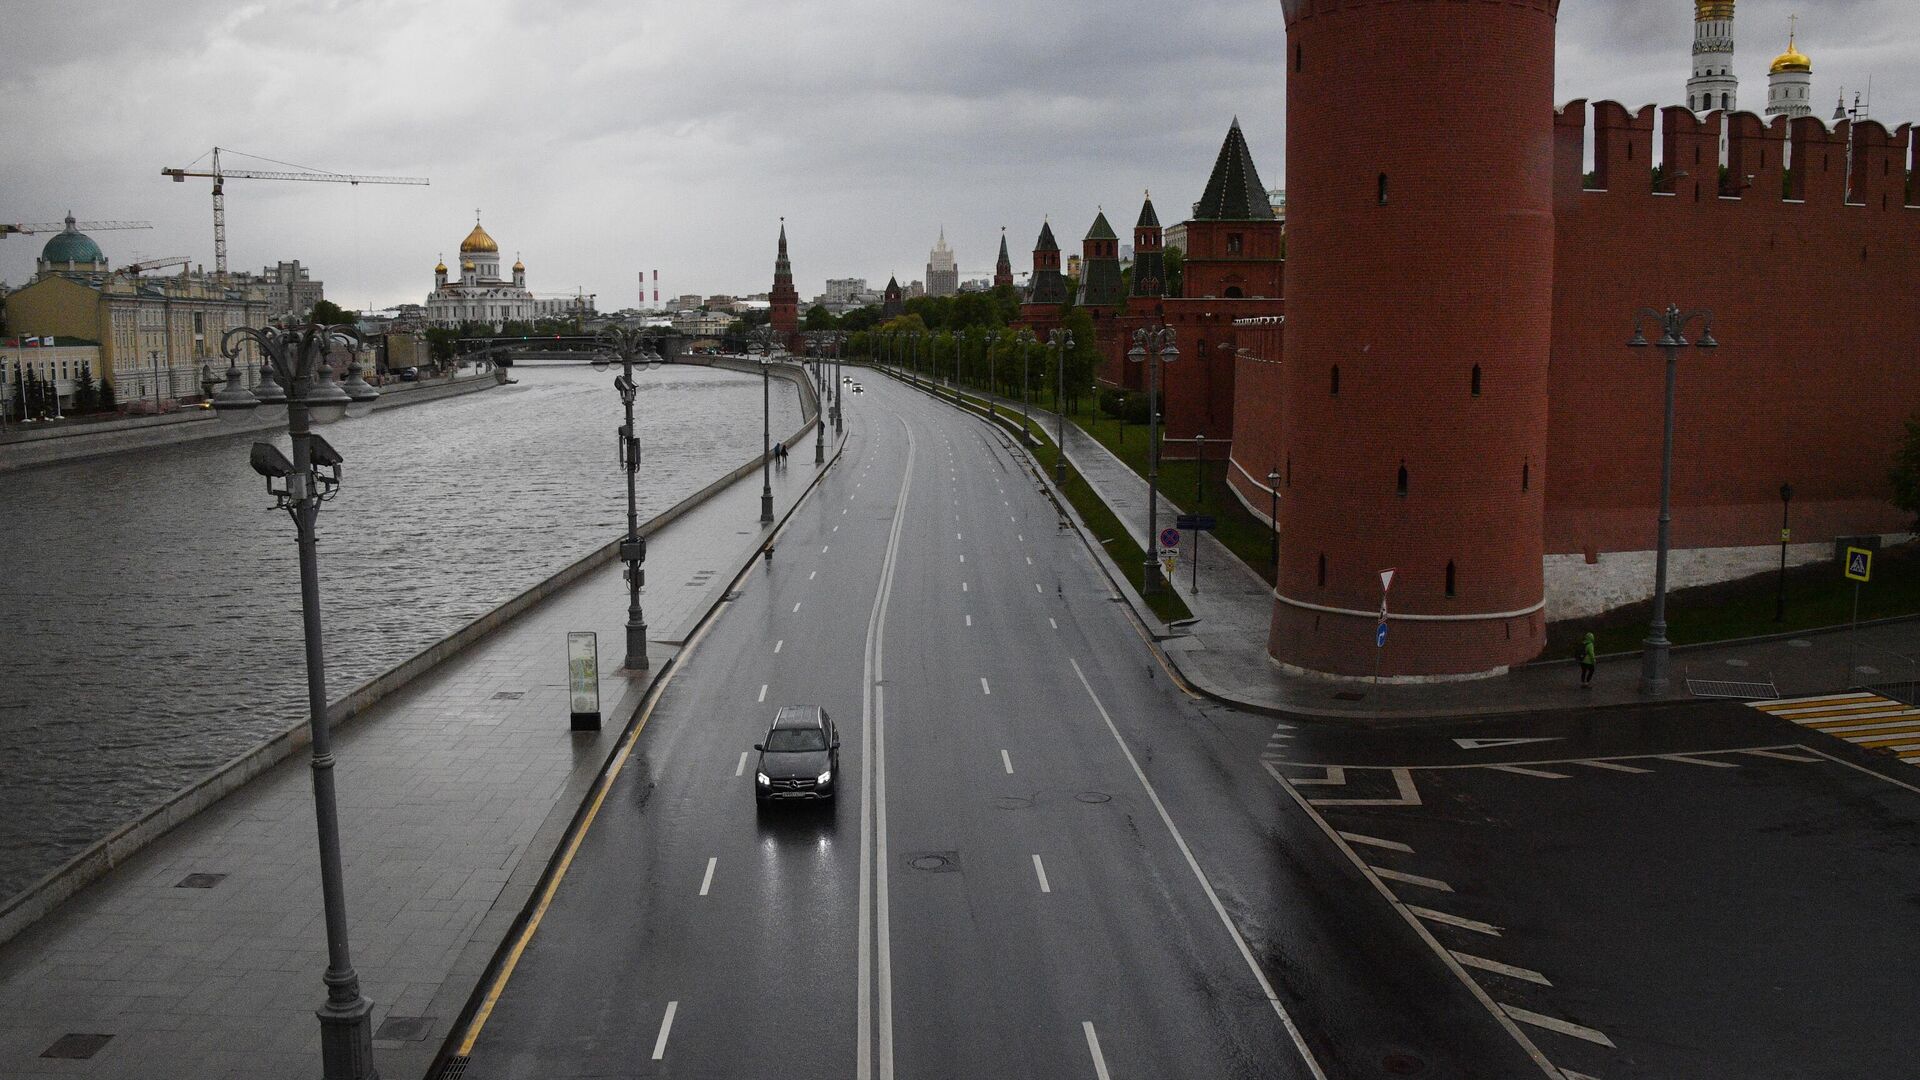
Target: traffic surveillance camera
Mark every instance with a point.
(268, 461)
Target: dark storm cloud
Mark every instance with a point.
(607, 137)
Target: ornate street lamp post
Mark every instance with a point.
(1153, 346)
(1673, 322)
(819, 422)
(1062, 340)
(633, 346)
(1026, 339)
(765, 340)
(1786, 534)
(312, 477)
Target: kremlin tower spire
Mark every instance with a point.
(1003, 269)
(1149, 259)
(784, 300)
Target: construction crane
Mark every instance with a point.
(135, 269)
(83, 226)
(220, 177)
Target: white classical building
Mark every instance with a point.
(479, 294)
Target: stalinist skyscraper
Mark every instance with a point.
(1714, 85)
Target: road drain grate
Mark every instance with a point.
(200, 881)
(509, 695)
(76, 1046)
(1725, 688)
(454, 1069)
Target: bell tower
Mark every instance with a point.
(1714, 85)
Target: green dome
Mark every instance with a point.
(72, 246)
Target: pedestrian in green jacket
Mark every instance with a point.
(1587, 660)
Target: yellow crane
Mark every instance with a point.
(220, 177)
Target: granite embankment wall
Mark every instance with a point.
(27, 449)
(27, 907)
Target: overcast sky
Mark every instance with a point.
(600, 138)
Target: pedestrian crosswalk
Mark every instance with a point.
(1862, 718)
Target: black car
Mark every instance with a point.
(800, 758)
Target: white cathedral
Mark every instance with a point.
(479, 294)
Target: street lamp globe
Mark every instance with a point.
(326, 401)
(359, 391)
(269, 391)
(235, 402)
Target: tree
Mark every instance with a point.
(1905, 474)
(865, 318)
(84, 393)
(1175, 261)
(328, 313)
(106, 394)
(818, 318)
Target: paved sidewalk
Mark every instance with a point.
(1224, 652)
(454, 793)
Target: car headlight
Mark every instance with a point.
(824, 777)
(761, 779)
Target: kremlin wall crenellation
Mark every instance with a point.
(1430, 351)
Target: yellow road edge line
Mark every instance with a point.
(512, 961)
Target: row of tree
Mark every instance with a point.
(34, 396)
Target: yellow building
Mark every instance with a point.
(154, 334)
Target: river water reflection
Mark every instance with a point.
(149, 603)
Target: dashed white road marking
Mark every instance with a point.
(1521, 770)
(707, 881)
(763, 691)
(796, 607)
(1093, 1047)
(740, 769)
(963, 586)
(957, 536)
(1020, 538)
(1555, 1024)
(1614, 766)
(1038, 589)
(824, 547)
(1029, 560)
(1040, 871)
(1498, 968)
(984, 688)
(969, 619)
(1448, 919)
(1708, 762)
(1006, 762)
(1782, 757)
(1411, 879)
(963, 558)
(1374, 841)
(666, 1028)
(1051, 623)
(810, 576)
(779, 644)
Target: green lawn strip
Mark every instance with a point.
(1817, 596)
(1107, 530)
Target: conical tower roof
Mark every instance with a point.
(1148, 219)
(1234, 191)
(1101, 230)
(1046, 241)
(1003, 246)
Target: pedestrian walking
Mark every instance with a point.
(1587, 661)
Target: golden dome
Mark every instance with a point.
(478, 240)
(440, 267)
(1791, 60)
(1707, 10)
(467, 266)
(518, 265)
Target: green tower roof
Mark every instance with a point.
(1234, 191)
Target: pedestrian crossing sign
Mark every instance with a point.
(1859, 563)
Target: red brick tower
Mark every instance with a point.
(1418, 319)
(1003, 269)
(784, 300)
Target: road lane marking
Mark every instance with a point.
(969, 619)
(812, 574)
(1029, 560)
(1193, 864)
(707, 882)
(1020, 538)
(778, 645)
(1498, 968)
(1782, 757)
(1006, 762)
(763, 692)
(796, 608)
(824, 547)
(1550, 1023)
(741, 769)
(1038, 589)
(984, 688)
(1613, 766)
(1093, 1047)
(1685, 760)
(963, 558)
(957, 536)
(1040, 869)
(1463, 923)
(1521, 770)
(963, 586)
(1374, 841)
(836, 528)
(1051, 623)
(874, 977)
(1411, 879)
(666, 1028)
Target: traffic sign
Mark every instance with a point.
(1786, 535)
(1386, 580)
(1380, 636)
(1167, 561)
(1859, 563)
(1169, 537)
(1197, 522)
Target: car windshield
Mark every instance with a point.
(795, 740)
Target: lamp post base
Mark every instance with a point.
(346, 1041)
(766, 508)
(1654, 679)
(1151, 580)
(636, 646)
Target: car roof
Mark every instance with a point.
(799, 716)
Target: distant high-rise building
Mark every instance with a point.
(943, 273)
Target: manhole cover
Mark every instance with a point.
(78, 1047)
(1012, 802)
(404, 1028)
(200, 881)
(509, 695)
(1399, 1064)
(935, 862)
(1094, 797)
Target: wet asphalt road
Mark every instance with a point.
(1048, 861)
